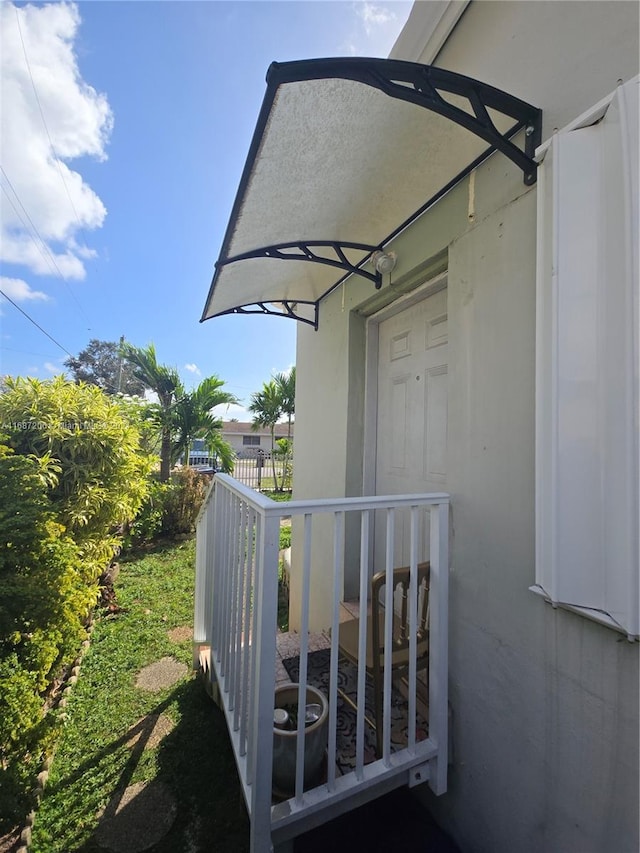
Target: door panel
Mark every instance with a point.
(411, 454)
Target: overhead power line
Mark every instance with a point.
(44, 121)
(42, 247)
(37, 325)
(48, 257)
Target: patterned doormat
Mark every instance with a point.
(318, 676)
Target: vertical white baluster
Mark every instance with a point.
(219, 545)
(246, 628)
(388, 634)
(265, 640)
(413, 616)
(338, 584)
(304, 649)
(236, 569)
(236, 685)
(253, 666)
(362, 641)
(439, 642)
(228, 581)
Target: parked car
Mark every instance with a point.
(254, 453)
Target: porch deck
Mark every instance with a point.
(236, 605)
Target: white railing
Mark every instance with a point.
(235, 617)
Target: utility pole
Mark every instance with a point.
(120, 360)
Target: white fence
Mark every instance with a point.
(235, 618)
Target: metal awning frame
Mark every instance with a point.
(408, 81)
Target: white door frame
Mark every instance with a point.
(423, 291)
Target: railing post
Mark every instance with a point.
(204, 576)
(266, 593)
(439, 644)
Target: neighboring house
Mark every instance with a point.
(490, 352)
(246, 440)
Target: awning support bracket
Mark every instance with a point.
(306, 250)
(289, 309)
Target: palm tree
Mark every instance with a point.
(266, 406)
(193, 418)
(165, 382)
(286, 385)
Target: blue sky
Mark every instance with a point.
(125, 128)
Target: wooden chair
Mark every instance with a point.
(349, 633)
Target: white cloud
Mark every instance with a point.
(38, 186)
(233, 410)
(193, 368)
(53, 368)
(19, 290)
(375, 27)
(374, 16)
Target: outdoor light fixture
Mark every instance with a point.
(384, 262)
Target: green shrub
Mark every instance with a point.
(72, 476)
(148, 523)
(182, 503)
(21, 739)
(43, 602)
(103, 474)
(285, 538)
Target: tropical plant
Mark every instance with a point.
(181, 415)
(165, 383)
(286, 385)
(101, 363)
(193, 418)
(285, 454)
(266, 407)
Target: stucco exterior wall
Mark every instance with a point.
(544, 703)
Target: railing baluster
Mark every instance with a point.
(236, 686)
(389, 604)
(236, 565)
(247, 636)
(228, 581)
(338, 584)
(362, 641)
(439, 643)
(220, 544)
(209, 527)
(201, 597)
(253, 667)
(304, 649)
(413, 627)
(265, 645)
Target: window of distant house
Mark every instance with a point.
(587, 478)
(251, 440)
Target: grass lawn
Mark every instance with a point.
(96, 759)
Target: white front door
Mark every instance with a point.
(411, 447)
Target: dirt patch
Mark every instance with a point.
(178, 635)
(142, 817)
(152, 729)
(9, 842)
(163, 673)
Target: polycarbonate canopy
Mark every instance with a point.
(345, 154)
